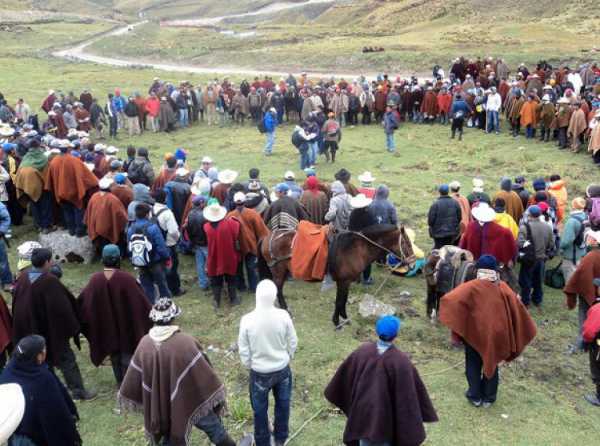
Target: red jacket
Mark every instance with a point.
(223, 257)
(491, 239)
(153, 106)
(591, 326)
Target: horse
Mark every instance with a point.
(464, 272)
(349, 255)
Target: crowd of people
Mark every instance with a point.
(68, 178)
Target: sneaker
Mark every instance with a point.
(486, 404)
(85, 395)
(592, 399)
(475, 403)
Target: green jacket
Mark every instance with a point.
(570, 231)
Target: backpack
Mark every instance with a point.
(136, 173)
(297, 139)
(594, 214)
(527, 255)
(155, 221)
(140, 247)
(332, 129)
(579, 241)
(261, 126)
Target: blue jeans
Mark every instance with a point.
(154, 275)
(73, 218)
(529, 131)
(270, 142)
(313, 150)
(493, 125)
(260, 386)
(41, 210)
(250, 261)
(531, 277)
(183, 117)
(5, 275)
(389, 142)
(201, 253)
(304, 159)
(211, 425)
(280, 115)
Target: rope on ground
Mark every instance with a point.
(444, 370)
(319, 412)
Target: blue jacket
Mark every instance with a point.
(270, 121)
(572, 228)
(460, 105)
(159, 251)
(4, 219)
(390, 122)
(119, 103)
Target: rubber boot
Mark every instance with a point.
(460, 136)
(216, 290)
(548, 135)
(233, 297)
(453, 134)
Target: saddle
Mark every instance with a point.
(454, 267)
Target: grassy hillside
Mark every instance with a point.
(540, 400)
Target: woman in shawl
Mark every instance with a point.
(50, 414)
(314, 201)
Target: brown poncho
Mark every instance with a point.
(106, 217)
(69, 179)
(123, 193)
(252, 229)
(163, 178)
(114, 314)
(382, 396)
(309, 251)
(594, 144)
(316, 204)
(45, 307)
(490, 318)
(174, 384)
(577, 124)
(514, 205)
(581, 282)
(30, 182)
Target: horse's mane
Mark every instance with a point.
(345, 240)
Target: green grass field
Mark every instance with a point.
(540, 400)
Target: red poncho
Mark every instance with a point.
(106, 217)
(444, 102)
(69, 180)
(223, 257)
(491, 239)
(581, 282)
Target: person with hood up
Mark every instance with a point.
(382, 208)
(267, 342)
(379, 378)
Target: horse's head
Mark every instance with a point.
(403, 249)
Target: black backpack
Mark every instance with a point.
(136, 173)
(579, 241)
(297, 139)
(261, 126)
(527, 255)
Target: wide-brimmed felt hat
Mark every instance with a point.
(105, 183)
(227, 176)
(6, 130)
(483, 213)
(164, 311)
(200, 186)
(366, 177)
(214, 212)
(360, 201)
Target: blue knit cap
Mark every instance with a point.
(535, 211)
(539, 184)
(444, 189)
(487, 262)
(180, 154)
(120, 178)
(282, 188)
(387, 327)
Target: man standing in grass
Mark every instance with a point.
(267, 343)
(381, 393)
(270, 124)
(390, 124)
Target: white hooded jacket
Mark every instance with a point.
(267, 340)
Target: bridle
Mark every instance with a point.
(404, 258)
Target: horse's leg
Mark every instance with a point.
(431, 298)
(341, 298)
(279, 272)
(345, 288)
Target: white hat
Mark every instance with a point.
(111, 150)
(366, 177)
(483, 213)
(546, 98)
(478, 185)
(105, 183)
(563, 100)
(215, 212)
(182, 172)
(207, 159)
(200, 186)
(11, 410)
(289, 175)
(56, 152)
(593, 235)
(547, 87)
(6, 131)
(239, 197)
(360, 201)
(90, 166)
(273, 110)
(99, 147)
(227, 176)
(454, 185)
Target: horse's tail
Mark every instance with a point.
(264, 272)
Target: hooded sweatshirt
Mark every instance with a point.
(141, 194)
(267, 339)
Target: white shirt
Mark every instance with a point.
(267, 340)
(166, 222)
(494, 102)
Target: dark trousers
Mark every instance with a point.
(366, 115)
(120, 364)
(595, 366)
(480, 387)
(530, 281)
(250, 263)
(261, 385)
(330, 146)
(173, 279)
(212, 426)
(439, 242)
(154, 275)
(216, 284)
(67, 364)
(457, 124)
(113, 125)
(73, 218)
(352, 117)
(562, 137)
(41, 210)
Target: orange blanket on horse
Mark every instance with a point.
(309, 251)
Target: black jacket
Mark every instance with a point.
(444, 218)
(360, 219)
(195, 227)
